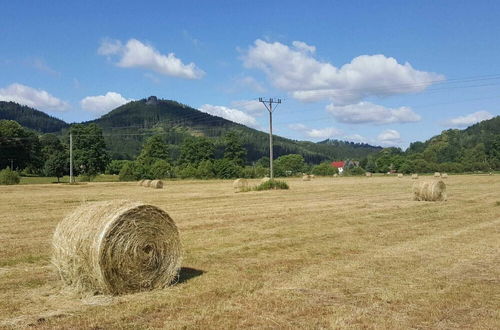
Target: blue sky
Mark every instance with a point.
(382, 72)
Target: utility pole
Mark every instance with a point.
(269, 106)
(11, 164)
(70, 157)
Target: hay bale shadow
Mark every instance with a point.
(187, 273)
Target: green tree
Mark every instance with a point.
(8, 177)
(324, 169)
(205, 170)
(89, 150)
(233, 148)
(57, 165)
(289, 165)
(19, 146)
(195, 150)
(161, 169)
(227, 169)
(153, 150)
(115, 166)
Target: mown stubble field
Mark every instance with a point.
(330, 253)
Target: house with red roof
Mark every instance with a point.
(339, 165)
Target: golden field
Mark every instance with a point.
(328, 253)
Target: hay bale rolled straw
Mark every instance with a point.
(400, 175)
(437, 174)
(429, 191)
(240, 184)
(117, 247)
(146, 183)
(444, 175)
(306, 177)
(265, 179)
(156, 184)
(140, 183)
(414, 176)
(368, 174)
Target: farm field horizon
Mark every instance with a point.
(346, 252)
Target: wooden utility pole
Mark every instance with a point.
(70, 157)
(269, 106)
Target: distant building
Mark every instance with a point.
(339, 165)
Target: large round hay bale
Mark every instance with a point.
(240, 183)
(335, 175)
(312, 176)
(116, 247)
(146, 183)
(306, 177)
(400, 175)
(265, 179)
(444, 175)
(414, 176)
(437, 174)
(429, 191)
(157, 184)
(368, 174)
(140, 183)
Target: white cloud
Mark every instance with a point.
(321, 133)
(251, 83)
(464, 121)
(32, 97)
(230, 114)
(297, 71)
(135, 54)
(356, 138)
(366, 112)
(389, 137)
(103, 103)
(252, 107)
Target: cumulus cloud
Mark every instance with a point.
(366, 112)
(464, 121)
(389, 137)
(135, 54)
(103, 103)
(230, 114)
(356, 138)
(294, 69)
(32, 97)
(321, 133)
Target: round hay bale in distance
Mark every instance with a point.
(368, 174)
(146, 183)
(400, 175)
(429, 191)
(306, 177)
(117, 247)
(444, 175)
(335, 175)
(437, 174)
(414, 176)
(240, 183)
(157, 184)
(140, 182)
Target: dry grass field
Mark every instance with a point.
(328, 253)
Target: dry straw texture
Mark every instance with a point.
(444, 175)
(146, 183)
(116, 247)
(157, 184)
(368, 174)
(140, 183)
(240, 184)
(306, 177)
(437, 174)
(400, 175)
(265, 179)
(429, 191)
(414, 176)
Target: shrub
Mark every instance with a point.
(354, 171)
(324, 169)
(8, 176)
(115, 166)
(132, 171)
(272, 184)
(227, 169)
(161, 169)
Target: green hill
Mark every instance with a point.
(31, 118)
(126, 128)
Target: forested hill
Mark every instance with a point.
(30, 118)
(127, 126)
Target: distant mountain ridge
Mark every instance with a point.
(31, 118)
